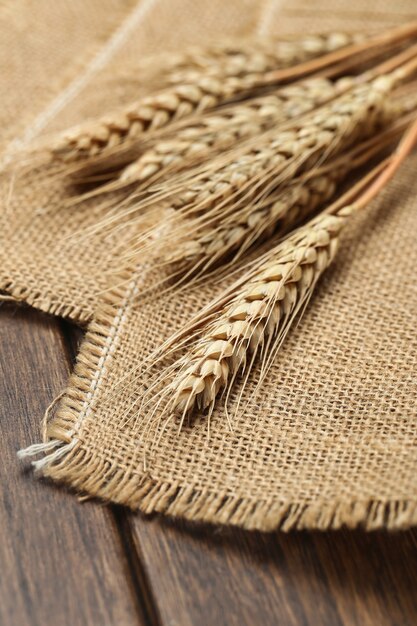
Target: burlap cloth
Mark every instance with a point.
(331, 439)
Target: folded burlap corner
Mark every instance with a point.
(330, 440)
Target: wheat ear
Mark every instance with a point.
(226, 127)
(257, 55)
(228, 239)
(237, 56)
(231, 238)
(259, 314)
(255, 316)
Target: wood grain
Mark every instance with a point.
(62, 562)
(230, 577)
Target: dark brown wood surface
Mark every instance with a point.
(61, 562)
(235, 577)
(65, 562)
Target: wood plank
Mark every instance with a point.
(62, 562)
(217, 577)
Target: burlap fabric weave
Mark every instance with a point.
(331, 439)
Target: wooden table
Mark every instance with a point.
(69, 563)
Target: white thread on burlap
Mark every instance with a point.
(266, 17)
(100, 60)
(114, 44)
(69, 93)
(109, 347)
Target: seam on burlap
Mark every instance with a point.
(71, 91)
(97, 348)
(109, 347)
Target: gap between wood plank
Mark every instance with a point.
(137, 571)
(62, 562)
(146, 606)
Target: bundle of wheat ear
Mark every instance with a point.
(252, 318)
(206, 79)
(215, 212)
(247, 141)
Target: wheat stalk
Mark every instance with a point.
(255, 314)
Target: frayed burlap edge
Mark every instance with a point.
(24, 295)
(68, 459)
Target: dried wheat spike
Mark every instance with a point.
(150, 113)
(266, 166)
(257, 55)
(204, 249)
(226, 127)
(257, 317)
(201, 92)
